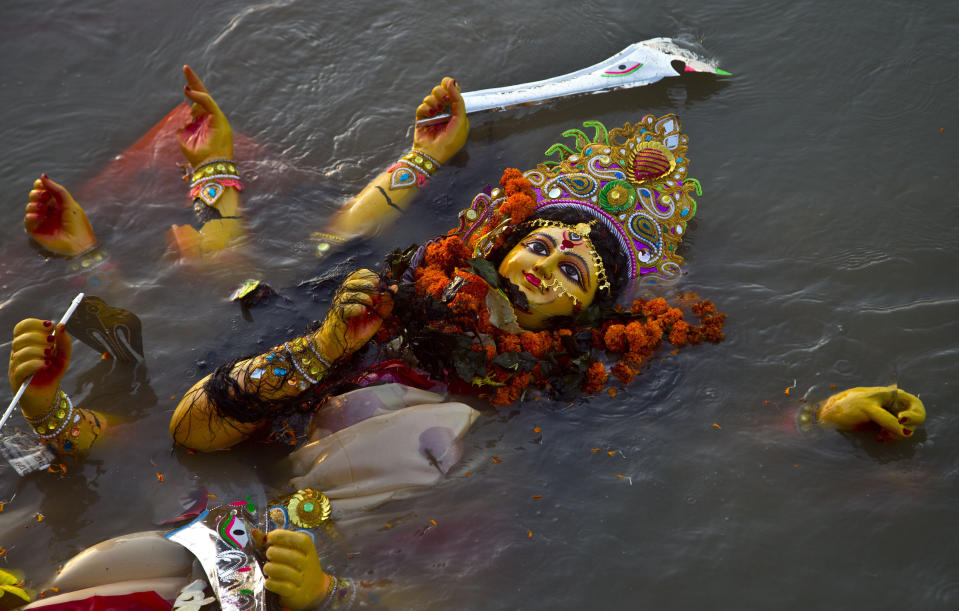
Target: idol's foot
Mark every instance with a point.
(56, 221)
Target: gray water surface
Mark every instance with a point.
(826, 232)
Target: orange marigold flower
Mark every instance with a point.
(509, 342)
(655, 307)
(670, 316)
(504, 395)
(636, 336)
(520, 201)
(637, 306)
(634, 359)
(678, 335)
(596, 377)
(509, 174)
(518, 207)
(430, 280)
(521, 380)
(464, 303)
(615, 338)
(703, 308)
(712, 328)
(624, 372)
(654, 333)
(446, 253)
(474, 284)
(537, 344)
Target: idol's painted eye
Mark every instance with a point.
(537, 247)
(572, 272)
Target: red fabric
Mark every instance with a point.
(395, 370)
(138, 601)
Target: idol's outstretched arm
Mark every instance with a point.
(392, 191)
(232, 403)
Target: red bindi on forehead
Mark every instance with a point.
(571, 240)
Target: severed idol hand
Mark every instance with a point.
(896, 411)
(56, 221)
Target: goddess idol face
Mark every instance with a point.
(556, 269)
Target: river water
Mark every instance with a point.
(826, 232)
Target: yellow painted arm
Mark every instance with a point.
(392, 191)
(287, 370)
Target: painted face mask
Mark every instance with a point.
(556, 268)
(221, 540)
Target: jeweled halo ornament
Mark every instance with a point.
(633, 179)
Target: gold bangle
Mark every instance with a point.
(424, 162)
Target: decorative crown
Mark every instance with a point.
(632, 179)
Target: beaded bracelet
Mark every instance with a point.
(62, 416)
(216, 168)
(34, 422)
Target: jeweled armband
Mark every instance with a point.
(296, 363)
(413, 169)
(209, 180)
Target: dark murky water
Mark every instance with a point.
(826, 232)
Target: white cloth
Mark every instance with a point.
(371, 444)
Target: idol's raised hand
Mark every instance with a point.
(56, 221)
(207, 135)
(42, 350)
(357, 312)
(293, 570)
(895, 411)
(442, 141)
